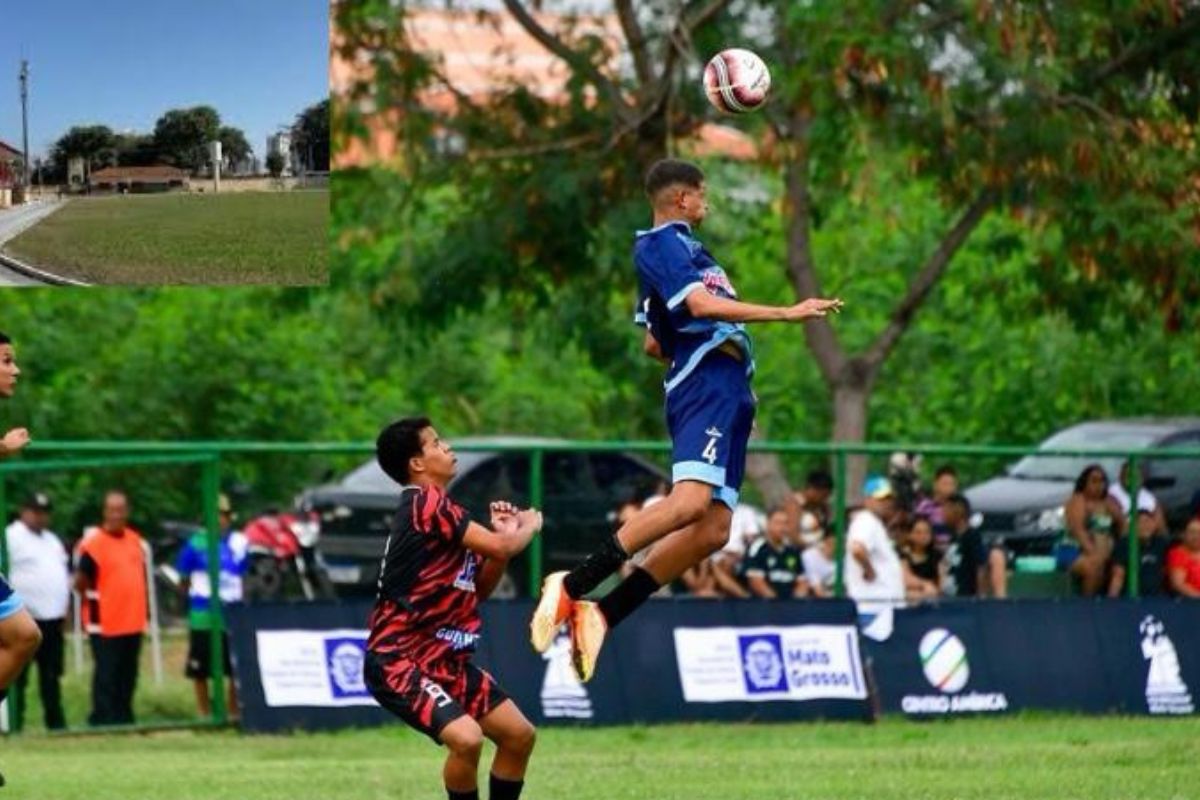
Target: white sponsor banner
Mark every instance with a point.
(799, 662)
(313, 668)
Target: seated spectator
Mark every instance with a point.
(945, 486)
(1183, 562)
(819, 566)
(1152, 555)
(773, 564)
(745, 527)
(1146, 501)
(973, 567)
(920, 562)
(700, 580)
(622, 514)
(815, 512)
(1094, 521)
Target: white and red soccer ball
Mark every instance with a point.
(736, 81)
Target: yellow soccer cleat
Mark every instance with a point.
(588, 628)
(552, 611)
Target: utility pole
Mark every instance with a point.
(25, 122)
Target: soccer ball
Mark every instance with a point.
(736, 81)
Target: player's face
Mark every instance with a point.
(437, 457)
(8, 370)
(692, 204)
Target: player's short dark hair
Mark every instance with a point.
(4, 338)
(819, 479)
(399, 442)
(961, 501)
(945, 469)
(670, 171)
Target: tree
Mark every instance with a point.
(275, 164)
(93, 143)
(310, 136)
(182, 136)
(135, 150)
(235, 150)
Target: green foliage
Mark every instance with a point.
(182, 136)
(310, 136)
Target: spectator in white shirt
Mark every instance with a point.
(819, 564)
(39, 572)
(1146, 502)
(872, 566)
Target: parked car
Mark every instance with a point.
(1025, 506)
(580, 489)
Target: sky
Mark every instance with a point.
(123, 63)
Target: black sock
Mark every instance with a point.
(595, 568)
(504, 789)
(471, 795)
(629, 594)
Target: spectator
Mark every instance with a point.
(1183, 562)
(974, 568)
(920, 562)
(624, 512)
(111, 575)
(1152, 556)
(40, 573)
(192, 564)
(815, 512)
(945, 486)
(745, 527)
(1146, 501)
(773, 564)
(1094, 521)
(872, 566)
(904, 475)
(700, 580)
(819, 566)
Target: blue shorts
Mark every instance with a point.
(10, 603)
(709, 417)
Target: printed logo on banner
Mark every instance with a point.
(944, 661)
(1166, 693)
(344, 658)
(562, 693)
(762, 663)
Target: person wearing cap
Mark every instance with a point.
(192, 564)
(974, 567)
(40, 572)
(1152, 557)
(872, 567)
(1147, 503)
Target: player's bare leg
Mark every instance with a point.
(514, 736)
(686, 503)
(684, 549)
(19, 640)
(464, 739)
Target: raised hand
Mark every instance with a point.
(14, 440)
(530, 519)
(814, 307)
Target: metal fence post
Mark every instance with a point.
(839, 522)
(1133, 566)
(212, 523)
(536, 497)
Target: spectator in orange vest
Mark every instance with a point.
(111, 576)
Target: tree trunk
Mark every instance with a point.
(851, 390)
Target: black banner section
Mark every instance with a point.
(305, 678)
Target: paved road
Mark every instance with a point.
(13, 222)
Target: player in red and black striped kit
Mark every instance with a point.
(436, 565)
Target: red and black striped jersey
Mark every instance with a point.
(426, 606)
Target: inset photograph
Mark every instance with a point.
(165, 143)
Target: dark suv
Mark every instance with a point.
(1025, 505)
(580, 490)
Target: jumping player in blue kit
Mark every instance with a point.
(695, 323)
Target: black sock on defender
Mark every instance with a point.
(595, 568)
(504, 789)
(471, 795)
(627, 596)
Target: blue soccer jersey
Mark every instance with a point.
(671, 264)
(710, 408)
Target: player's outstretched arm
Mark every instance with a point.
(703, 305)
(510, 537)
(13, 441)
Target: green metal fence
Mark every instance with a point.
(70, 455)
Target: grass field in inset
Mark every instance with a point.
(1010, 758)
(236, 238)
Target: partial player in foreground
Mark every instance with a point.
(694, 322)
(19, 634)
(437, 564)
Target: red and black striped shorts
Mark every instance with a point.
(431, 695)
